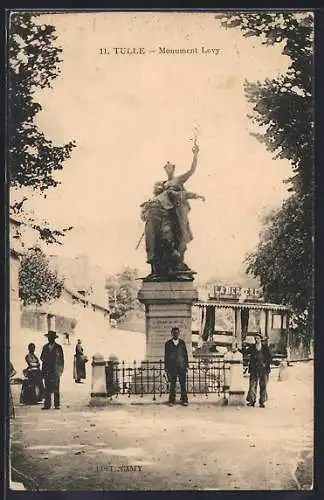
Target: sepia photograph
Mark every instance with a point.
(160, 168)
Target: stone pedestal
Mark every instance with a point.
(98, 383)
(236, 390)
(167, 305)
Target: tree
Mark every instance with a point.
(284, 108)
(38, 282)
(122, 291)
(32, 158)
(281, 261)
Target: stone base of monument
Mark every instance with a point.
(236, 398)
(167, 305)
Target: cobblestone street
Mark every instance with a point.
(142, 447)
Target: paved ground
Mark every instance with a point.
(154, 447)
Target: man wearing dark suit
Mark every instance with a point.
(259, 369)
(52, 369)
(176, 365)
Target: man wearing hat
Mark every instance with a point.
(259, 369)
(52, 368)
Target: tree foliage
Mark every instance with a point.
(284, 108)
(38, 282)
(122, 291)
(33, 64)
(283, 263)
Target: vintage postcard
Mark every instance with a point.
(161, 176)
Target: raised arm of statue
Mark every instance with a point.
(193, 196)
(181, 179)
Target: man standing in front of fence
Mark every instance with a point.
(259, 369)
(176, 365)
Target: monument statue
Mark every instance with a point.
(167, 229)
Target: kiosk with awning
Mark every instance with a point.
(236, 313)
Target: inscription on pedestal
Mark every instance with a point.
(161, 326)
(167, 305)
(159, 331)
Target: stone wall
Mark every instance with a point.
(37, 321)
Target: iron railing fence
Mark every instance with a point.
(210, 376)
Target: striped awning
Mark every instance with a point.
(218, 304)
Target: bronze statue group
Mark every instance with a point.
(40, 382)
(167, 230)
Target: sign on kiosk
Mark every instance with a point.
(237, 292)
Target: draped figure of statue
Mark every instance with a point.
(167, 229)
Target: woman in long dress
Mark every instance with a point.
(79, 370)
(32, 390)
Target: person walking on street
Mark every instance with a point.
(79, 366)
(176, 365)
(52, 368)
(259, 369)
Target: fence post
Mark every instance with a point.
(283, 371)
(228, 356)
(236, 390)
(98, 382)
(112, 376)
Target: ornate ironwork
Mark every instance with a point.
(206, 376)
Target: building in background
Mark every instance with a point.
(84, 287)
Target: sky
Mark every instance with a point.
(130, 114)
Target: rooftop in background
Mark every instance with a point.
(225, 304)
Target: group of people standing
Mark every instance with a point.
(176, 366)
(40, 382)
